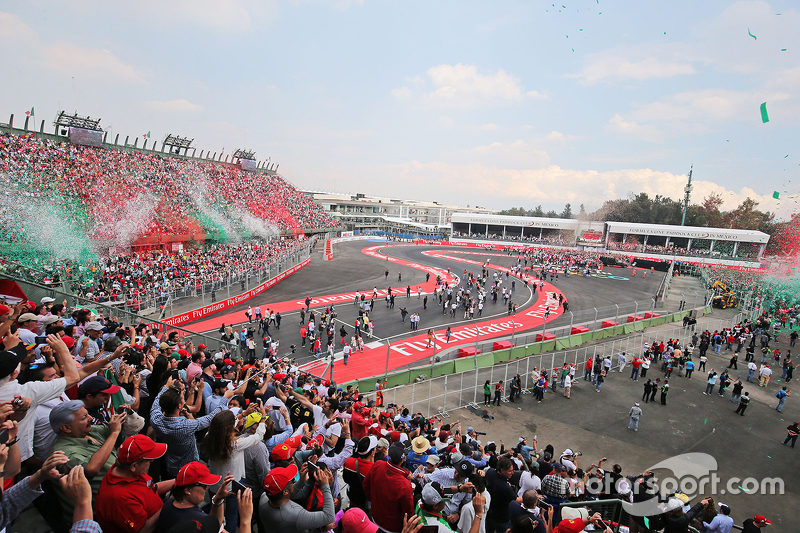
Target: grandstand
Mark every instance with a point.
(707, 246)
(123, 222)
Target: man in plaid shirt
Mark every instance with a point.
(177, 431)
(554, 485)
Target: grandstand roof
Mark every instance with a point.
(510, 220)
(412, 223)
(691, 232)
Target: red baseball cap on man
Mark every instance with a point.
(574, 525)
(278, 478)
(69, 341)
(195, 472)
(285, 450)
(4, 309)
(96, 384)
(140, 447)
(201, 346)
(761, 519)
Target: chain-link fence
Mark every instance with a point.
(461, 389)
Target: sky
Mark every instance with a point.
(491, 104)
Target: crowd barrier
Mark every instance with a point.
(455, 384)
(195, 314)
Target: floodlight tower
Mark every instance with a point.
(688, 191)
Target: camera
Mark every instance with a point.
(18, 402)
(578, 454)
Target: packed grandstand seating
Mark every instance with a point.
(118, 196)
(159, 273)
(722, 250)
(556, 239)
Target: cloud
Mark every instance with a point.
(463, 86)
(558, 136)
(90, 62)
(633, 130)
(465, 80)
(226, 15)
(553, 185)
(625, 65)
(514, 154)
(173, 106)
(489, 127)
(14, 30)
(615, 69)
(402, 93)
(713, 105)
(446, 121)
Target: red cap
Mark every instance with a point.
(358, 406)
(4, 309)
(279, 376)
(140, 447)
(285, 451)
(394, 436)
(69, 341)
(761, 519)
(96, 384)
(201, 346)
(183, 353)
(355, 520)
(229, 362)
(30, 305)
(574, 525)
(195, 472)
(278, 478)
(316, 442)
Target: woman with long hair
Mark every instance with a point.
(224, 446)
(158, 377)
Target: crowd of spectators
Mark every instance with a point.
(722, 250)
(158, 273)
(558, 239)
(117, 196)
(154, 434)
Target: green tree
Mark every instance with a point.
(567, 212)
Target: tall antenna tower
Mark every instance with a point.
(688, 191)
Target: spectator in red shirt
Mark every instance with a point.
(128, 500)
(636, 364)
(389, 490)
(360, 421)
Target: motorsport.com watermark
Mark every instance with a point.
(693, 474)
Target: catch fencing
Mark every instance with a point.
(456, 384)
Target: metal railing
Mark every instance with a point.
(461, 389)
(161, 302)
(127, 318)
